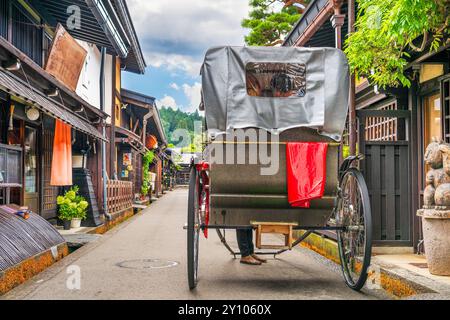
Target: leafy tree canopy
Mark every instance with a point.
(270, 20)
(388, 30)
(176, 119)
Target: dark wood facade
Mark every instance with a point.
(394, 125)
(139, 118)
(25, 36)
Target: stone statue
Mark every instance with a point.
(437, 192)
(436, 209)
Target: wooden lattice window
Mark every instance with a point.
(445, 91)
(49, 207)
(382, 128)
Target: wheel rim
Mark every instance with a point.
(354, 248)
(193, 236)
(196, 228)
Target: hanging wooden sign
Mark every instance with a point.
(66, 58)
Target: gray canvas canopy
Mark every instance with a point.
(275, 89)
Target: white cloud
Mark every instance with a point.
(193, 94)
(174, 86)
(174, 63)
(167, 101)
(174, 34)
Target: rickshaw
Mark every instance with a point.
(288, 95)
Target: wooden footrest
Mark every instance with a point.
(282, 228)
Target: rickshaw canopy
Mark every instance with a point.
(275, 88)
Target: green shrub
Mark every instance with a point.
(71, 205)
(147, 160)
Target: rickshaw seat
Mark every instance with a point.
(239, 189)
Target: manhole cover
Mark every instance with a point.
(147, 264)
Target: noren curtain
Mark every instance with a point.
(62, 155)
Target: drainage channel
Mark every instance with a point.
(76, 241)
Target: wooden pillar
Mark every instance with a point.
(112, 140)
(352, 91)
(416, 163)
(337, 21)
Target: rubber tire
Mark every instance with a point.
(359, 284)
(192, 256)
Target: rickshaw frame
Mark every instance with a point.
(290, 93)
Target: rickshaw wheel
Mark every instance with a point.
(355, 241)
(193, 228)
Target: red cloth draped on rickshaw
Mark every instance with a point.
(306, 164)
(61, 174)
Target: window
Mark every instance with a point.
(27, 34)
(445, 90)
(85, 77)
(432, 118)
(382, 129)
(281, 80)
(46, 47)
(4, 18)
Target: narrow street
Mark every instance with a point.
(114, 267)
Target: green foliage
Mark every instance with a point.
(176, 167)
(194, 146)
(176, 119)
(148, 158)
(71, 205)
(387, 29)
(269, 24)
(146, 161)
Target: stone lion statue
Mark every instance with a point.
(437, 191)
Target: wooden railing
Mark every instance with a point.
(120, 195)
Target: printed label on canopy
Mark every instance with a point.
(276, 80)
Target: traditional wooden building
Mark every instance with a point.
(60, 98)
(31, 101)
(138, 131)
(391, 127)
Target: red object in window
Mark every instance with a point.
(61, 174)
(306, 164)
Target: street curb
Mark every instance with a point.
(28, 287)
(27, 269)
(20, 273)
(391, 282)
(117, 220)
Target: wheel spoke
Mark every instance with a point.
(193, 234)
(351, 213)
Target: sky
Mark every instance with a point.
(174, 36)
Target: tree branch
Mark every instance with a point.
(274, 43)
(423, 45)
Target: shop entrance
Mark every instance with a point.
(31, 172)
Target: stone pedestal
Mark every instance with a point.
(436, 234)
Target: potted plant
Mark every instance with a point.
(72, 208)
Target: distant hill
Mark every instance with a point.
(176, 119)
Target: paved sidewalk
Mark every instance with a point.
(117, 266)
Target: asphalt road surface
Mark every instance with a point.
(145, 258)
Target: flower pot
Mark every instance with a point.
(66, 224)
(436, 235)
(76, 223)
